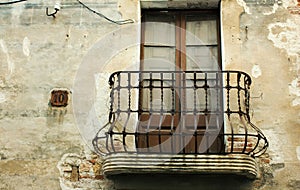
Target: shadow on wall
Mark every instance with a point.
(181, 182)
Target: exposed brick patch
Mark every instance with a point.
(74, 167)
(239, 144)
(265, 160)
(78, 171)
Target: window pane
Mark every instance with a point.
(202, 58)
(159, 59)
(201, 30)
(159, 30)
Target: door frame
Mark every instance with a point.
(180, 56)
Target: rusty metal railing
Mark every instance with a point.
(176, 112)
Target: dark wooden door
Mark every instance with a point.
(174, 116)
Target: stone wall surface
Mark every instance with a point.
(45, 147)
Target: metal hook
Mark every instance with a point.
(52, 14)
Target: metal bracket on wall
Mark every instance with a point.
(52, 14)
(56, 9)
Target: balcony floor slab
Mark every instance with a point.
(137, 163)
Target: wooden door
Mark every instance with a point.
(180, 41)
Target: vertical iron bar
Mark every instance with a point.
(161, 93)
(228, 108)
(228, 93)
(247, 95)
(239, 92)
(119, 93)
(151, 93)
(118, 111)
(195, 134)
(107, 139)
(112, 140)
(111, 109)
(150, 110)
(124, 131)
(206, 95)
(173, 142)
(129, 87)
(218, 99)
(179, 109)
(161, 110)
(217, 92)
(173, 96)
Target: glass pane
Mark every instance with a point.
(201, 30)
(159, 59)
(160, 30)
(202, 58)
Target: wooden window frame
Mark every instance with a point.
(180, 23)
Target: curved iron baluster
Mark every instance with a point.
(250, 141)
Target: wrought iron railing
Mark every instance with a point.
(176, 112)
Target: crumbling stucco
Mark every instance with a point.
(266, 46)
(256, 71)
(286, 37)
(81, 172)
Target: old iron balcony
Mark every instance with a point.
(190, 122)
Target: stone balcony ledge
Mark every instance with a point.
(138, 163)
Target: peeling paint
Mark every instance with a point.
(16, 13)
(3, 46)
(10, 64)
(256, 71)
(296, 101)
(295, 90)
(265, 7)
(243, 4)
(286, 36)
(289, 3)
(298, 152)
(26, 46)
(2, 98)
(274, 9)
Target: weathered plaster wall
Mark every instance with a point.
(41, 147)
(263, 40)
(37, 54)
